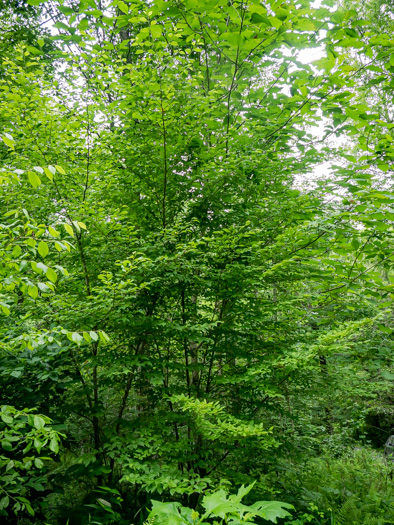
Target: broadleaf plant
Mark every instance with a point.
(229, 509)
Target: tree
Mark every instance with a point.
(160, 153)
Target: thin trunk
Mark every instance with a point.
(328, 408)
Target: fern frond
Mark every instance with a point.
(371, 521)
(349, 514)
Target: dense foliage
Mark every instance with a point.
(196, 250)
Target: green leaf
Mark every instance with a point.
(271, 510)
(48, 173)
(39, 422)
(38, 463)
(5, 309)
(59, 246)
(256, 18)
(16, 251)
(65, 10)
(233, 38)
(242, 492)
(62, 270)
(4, 502)
(214, 501)
(53, 232)
(43, 287)
(305, 24)
(22, 499)
(29, 509)
(123, 7)
(69, 229)
(82, 26)
(33, 291)
(40, 267)
(43, 249)
(167, 510)
(384, 329)
(156, 31)
(54, 445)
(51, 274)
(76, 338)
(104, 337)
(32, 243)
(94, 336)
(65, 27)
(104, 502)
(355, 244)
(60, 169)
(34, 179)
(387, 375)
(6, 445)
(8, 140)
(38, 444)
(7, 418)
(275, 22)
(10, 465)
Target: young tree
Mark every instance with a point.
(169, 135)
